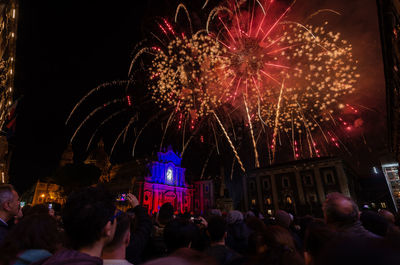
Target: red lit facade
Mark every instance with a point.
(165, 183)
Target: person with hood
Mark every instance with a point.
(89, 218)
(237, 233)
(156, 246)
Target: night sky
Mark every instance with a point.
(66, 48)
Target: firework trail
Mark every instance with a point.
(92, 114)
(230, 142)
(101, 125)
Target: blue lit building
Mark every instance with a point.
(165, 183)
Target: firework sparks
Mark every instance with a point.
(264, 49)
(317, 65)
(187, 75)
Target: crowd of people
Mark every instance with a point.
(90, 229)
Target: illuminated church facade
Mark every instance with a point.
(165, 183)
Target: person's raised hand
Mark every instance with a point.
(203, 221)
(133, 201)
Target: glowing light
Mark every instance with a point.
(13, 13)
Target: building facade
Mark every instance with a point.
(99, 158)
(391, 173)
(298, 187)
(389, 24)
(203, 196)
(8, 37)
(47, 193)
(165, 183)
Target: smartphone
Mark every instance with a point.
(50, 206)
(121, 197)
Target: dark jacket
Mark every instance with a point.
(237, 237)
(156, 248)
(67, 256)
(3, 231)
(357, 230)
(139, 237)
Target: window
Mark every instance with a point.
(383, 204)
(252, 186)
(329, 179)
(169, 175)
(312, 198)
(285, 182)
(307, 180)
(266, 184)
(268, 201)
(253, 202)
(289, 200)
(206, 188)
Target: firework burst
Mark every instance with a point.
(292, 76)
(188, 75)
(264, 50)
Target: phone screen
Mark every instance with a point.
(121, 197)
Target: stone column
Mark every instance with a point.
(299, 187)
(274, 192)
(343, 183)
(180, 200)
(320, 188)
(155, 199)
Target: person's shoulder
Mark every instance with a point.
(68, 256)
(116, 262)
